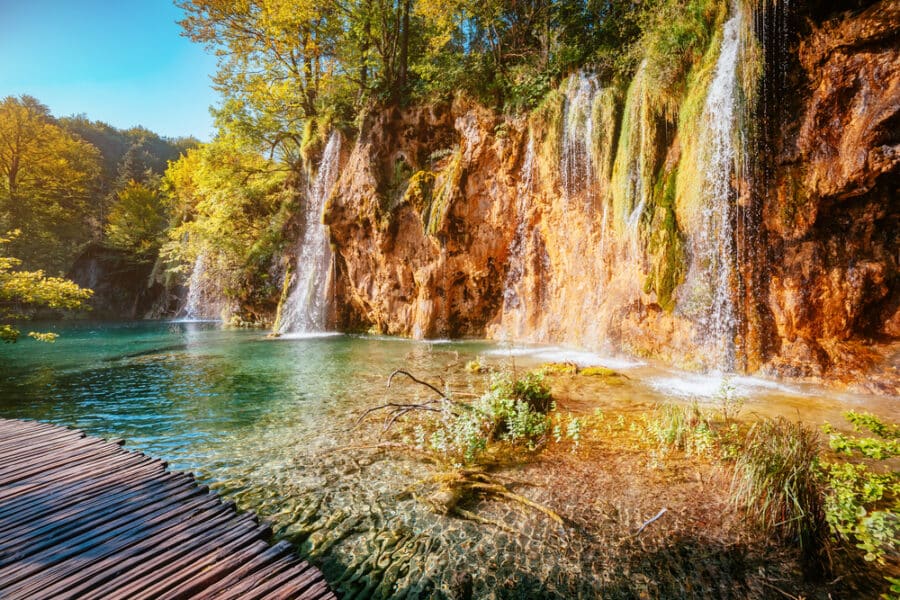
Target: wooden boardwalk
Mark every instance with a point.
(81, 517)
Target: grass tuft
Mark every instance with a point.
(777, 483)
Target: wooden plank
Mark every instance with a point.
(82, 517)
(261, 561)
(76, 489)
(303, 580)
(126, 563)
(146, 572)
(192, 563)
(80, 567)
(219, 571)
(88, 525)
(53, 461)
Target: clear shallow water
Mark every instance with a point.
(258, 418)
(188, 391)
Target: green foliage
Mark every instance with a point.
(863, 498)
(531, 388)
(885, 445)
(137, 221)
(47, 178)
(685, 428)
(232, 205)
(23, 291)
(675, 35)
(513, 412)
(573, 428)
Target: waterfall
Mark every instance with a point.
(194, 308)
(712, 271)
(513, 299)
(576, 159)
(306, 308)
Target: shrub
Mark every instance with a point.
(861, 502)
(513, 410)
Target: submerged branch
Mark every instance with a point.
(395, 410)
(419, 381)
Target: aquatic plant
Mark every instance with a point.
(685, 428)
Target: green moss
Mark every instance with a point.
(548, 119)
(795, 197)
(419, 191)
(476, 366)
(636, 154)
(559, 368)
(445, 187)
(394, 191)
(597, 372)
(689, 179)
(285, 291)
(312, 143)
(605, 113)
(666, 245)
(676, 37)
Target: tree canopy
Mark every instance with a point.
(48, 177)
(23, 291)
(284, 62)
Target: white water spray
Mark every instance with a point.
(193, 308)
(513, 299)
(306, 308)
(712, 269)
(576, 159)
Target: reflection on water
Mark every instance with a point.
(255, 416)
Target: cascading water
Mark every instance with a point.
(712, 271)
(633, 171)
(306, 308)
(193, 308)
(513, 299)
(576, 159)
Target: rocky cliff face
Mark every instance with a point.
(122, 288)
(832, 214)
(418, 221)
(602, 223)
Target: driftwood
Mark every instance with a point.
(644, 526)
(454, 486)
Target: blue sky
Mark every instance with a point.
(119, 61)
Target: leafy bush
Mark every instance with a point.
(862, 503)
(514, 410)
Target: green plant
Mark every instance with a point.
(514, 410)
(885, 445)
(729, 401)
(530, 388)
(862, 504)
(777, 483)
(685, 428)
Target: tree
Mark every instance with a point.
(229, 204)
(22, 291)
(47, 178)
(137, 221)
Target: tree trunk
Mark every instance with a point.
(403, 65)
(364, 51)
